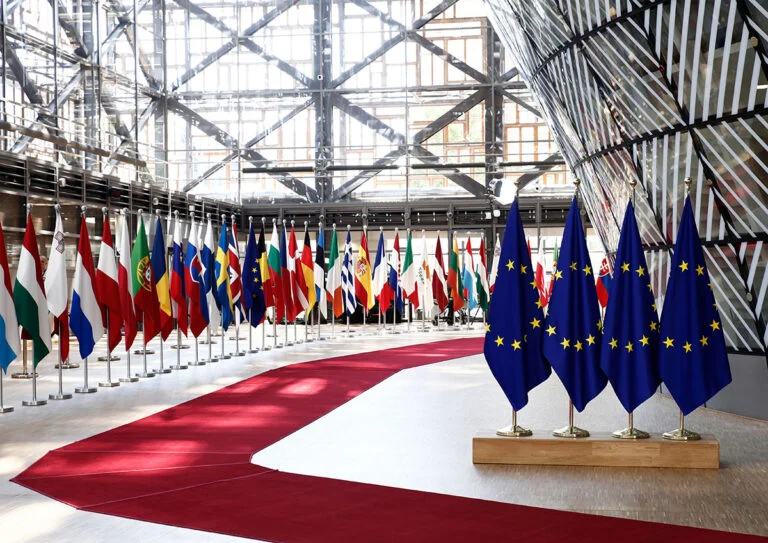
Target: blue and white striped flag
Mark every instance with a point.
(348, 278)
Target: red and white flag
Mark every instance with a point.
(539, 277)
(107, 290)
(127, 310)
(56, 287)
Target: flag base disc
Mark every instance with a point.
(309, 340)
(288, 344)
(65, 396)
(572, 432)
(225, 357)
(206, 342)
(681, 434)
(33, 403)
(110, 359)
(238, 353)
(201, 363)
(278, 346)
(109, 384)
(85, 390)
(253, 351)
(145, 375)
(182, 347)
(161, 370)
(23, 375)
(143, 351)
(128, 379)
(631, 433)
(265, 348)
(514, 431)
(6, 410)
(213, 360)
(233, 338)
(67, 366)
(178, 367)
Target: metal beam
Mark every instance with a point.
(376, 12)
(463, 180)
(522, 103)
(322, 63)
(365, 176)
(449, 58)
(367, 119)
(250, 143)
(247, 43)
(509, 74)
(494, 110)
(228, 141)
(280, 8)
(449, 116)
(527, 178)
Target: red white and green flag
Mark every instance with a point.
(409, 277)
(29, 296)
(454, 277)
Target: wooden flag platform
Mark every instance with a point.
(597, 450)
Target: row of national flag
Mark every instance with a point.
(630, 347)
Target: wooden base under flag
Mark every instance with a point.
(597, 450)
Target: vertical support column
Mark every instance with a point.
(323, 103)
(494, 109)
(159, 73)
(88, 14)
(189, 159)
(4, 144)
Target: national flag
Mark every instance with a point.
(513, 335)
(693, 361)
(275, 274)
(348, 278)
(298, 287)
(266, 281)
(193, 283)
(555, 256)
(410, 279)
(362, 267)
(603, 284)
(380, 274)
(57, 293)
(319, 273)
(286, 263)
(208, 275)
(235, 283)
(127, 311)
(333, 280)
(393, 290)
(253, 292)
(178, 289)
(107, 290)
(481, 279)
(10, 344)
(223, 290)
(540, 279)
(29, 296)
(389, 290)
(145, 299)
(424, 276)
(629, 350)
(454, 277)
(85, 318)
(160, 275)
(468, 276)
(495, 263)
(574, 329)
(308, 267)
(439, 286)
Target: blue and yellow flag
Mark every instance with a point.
(629, 355)
(253, 288)
(223, 290)
(162, 285)
(573, 332)
(693, 362)
(513, 335)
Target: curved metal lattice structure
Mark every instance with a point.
(657, 91)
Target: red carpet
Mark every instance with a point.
(189, 466)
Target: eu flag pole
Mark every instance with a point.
(693, 361)
(513, 334)
(628, 354)
(573, 330)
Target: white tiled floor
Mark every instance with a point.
(413, 431)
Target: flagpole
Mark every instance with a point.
(198, 246)
(251, 350)
(35, 402)
(513, 430)
(85, 389)
(61, 395)
(144, 350)
(109, 382)
(3, 409)
(266, 302)
(178, 365)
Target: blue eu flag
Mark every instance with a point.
(515, 319)
(628, 354)
(693, 362)
(253, 291)
(573, 330)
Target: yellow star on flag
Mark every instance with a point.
(715, 325)
(587, 270)
(573, 266)
(669, 342)
(487, 327)
(516, 345)
(687, 347)
(535, 322)
(683, 266)
(510, 265)
(699, 270)
(628, 347)
(551, 330)
(558, 275)
(539, 304)
(499, 341)
(644, 341)
(704, 340)
(654, 325)
(613, 343)
(640, 271)
(625, 267)
(565, 343)
(533, 284)
(578, 346)
(523, 269)
(590, 339)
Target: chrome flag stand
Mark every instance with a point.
(109, 383)
(60, 395)
(146, 373)
(3, 409)
(34, 402)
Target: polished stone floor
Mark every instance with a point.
(412, 431)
